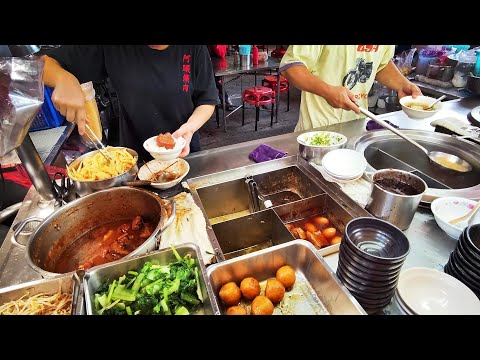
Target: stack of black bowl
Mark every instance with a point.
(371, 256)
(464, 261)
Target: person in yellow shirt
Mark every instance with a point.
(335, 78)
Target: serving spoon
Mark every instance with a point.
(443, 159)
(436, 101)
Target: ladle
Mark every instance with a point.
(443, 159)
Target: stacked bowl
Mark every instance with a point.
(464, 261)
(371, 256)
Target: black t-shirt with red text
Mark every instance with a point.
(157, 89)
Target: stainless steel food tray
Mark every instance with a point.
(69, 283)
(316, 291)
(111, 271)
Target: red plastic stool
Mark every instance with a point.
(271, 82)
(258, 96)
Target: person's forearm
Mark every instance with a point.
(391, 77)
(300, 77)
(200, 116)
(53, 71)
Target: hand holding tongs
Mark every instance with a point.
(97, 143)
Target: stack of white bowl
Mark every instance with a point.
(424, 291)
(344, 165)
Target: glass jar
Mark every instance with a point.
(426, 57)
(466, 64)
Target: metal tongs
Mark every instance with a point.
(97, 143)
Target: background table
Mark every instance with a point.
(226, 67)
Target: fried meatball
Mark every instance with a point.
(274, 290)
(336, 240)
(237, 310)
(230, 294)
(262, 305)
(250, 288)
(286, 275)
(329, 233)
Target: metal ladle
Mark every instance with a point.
(443, 159)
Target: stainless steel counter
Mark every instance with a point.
(430, 246)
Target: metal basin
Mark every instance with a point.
(319, 291)
(232, 199)
(322, 205)
(109, 272)
(251, 233)
(383, 149)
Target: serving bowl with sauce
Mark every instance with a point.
(175, 171)
(417, 108)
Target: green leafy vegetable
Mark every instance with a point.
(153, 290)
(322, 139)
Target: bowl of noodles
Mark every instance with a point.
(92, 171)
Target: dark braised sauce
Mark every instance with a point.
(396, 187)
(104, 244)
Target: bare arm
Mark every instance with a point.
(200, 116)
(336, 96)
(67, 95)
(392, 78)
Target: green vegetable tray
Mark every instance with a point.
(130, 286)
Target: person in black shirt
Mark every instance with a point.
(161, 88)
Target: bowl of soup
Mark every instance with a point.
(419, 108)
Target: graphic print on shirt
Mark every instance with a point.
(361, 72)
(186, 72)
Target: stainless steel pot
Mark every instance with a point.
(83, 188)
(63, 227)
(473, 84)
(392, 207)
(315, 154)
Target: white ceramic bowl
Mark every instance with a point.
(449, 208)
(159, 153)
(431, 292)
(344, 164)
(419, 114)
(156, 165)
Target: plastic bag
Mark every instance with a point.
(404, 61)
(21, 97)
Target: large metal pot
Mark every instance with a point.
(83, 188)
(473, 84)
(395, 208)
(59, 230)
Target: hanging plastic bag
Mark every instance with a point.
(21, 97)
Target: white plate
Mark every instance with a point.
(401, 305)
(431, 292)
(156, 165)
(344, 164)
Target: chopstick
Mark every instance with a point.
(161, 171)
(97, 143)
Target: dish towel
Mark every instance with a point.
(265, 153)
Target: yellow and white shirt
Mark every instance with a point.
(352, 66)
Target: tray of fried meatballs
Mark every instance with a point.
(286, 279)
